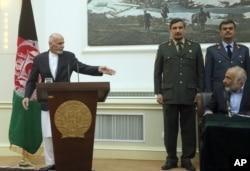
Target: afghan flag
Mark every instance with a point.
(25, 133)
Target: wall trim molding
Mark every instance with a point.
(114, 103)
(5, 105)
(104, 152)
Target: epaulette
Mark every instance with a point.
(167, 42)
(189, 42)
(192, 41)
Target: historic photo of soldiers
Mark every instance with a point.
(145, 22)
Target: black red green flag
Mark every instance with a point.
(25, 134)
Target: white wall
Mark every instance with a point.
(134, 66)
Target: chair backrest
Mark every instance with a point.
(202, 100)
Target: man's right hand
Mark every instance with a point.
(25, 103)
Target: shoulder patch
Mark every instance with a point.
(217, 45)
(239, 45)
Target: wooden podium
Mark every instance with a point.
(72, 109)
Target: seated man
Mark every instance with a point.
(226, 138)
(234, 97)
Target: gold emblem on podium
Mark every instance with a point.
(73, 119)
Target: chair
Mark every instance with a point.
(202, 100)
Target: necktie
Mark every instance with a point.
(179, 46)
(229, 52)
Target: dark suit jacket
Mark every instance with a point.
(179, 75)
(218, 104)
(67, 63)
(217, 62)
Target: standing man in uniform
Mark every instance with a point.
(178, 77)
(224, 55)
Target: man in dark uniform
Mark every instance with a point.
(178, 77)
(224, 55)
(147, 20)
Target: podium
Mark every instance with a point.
(72, 109)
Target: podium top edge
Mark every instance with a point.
(102, 88)
(67, 86)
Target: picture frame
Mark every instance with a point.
(118, 25)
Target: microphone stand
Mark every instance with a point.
(229, 109)
(77, 70)
(68, 72)
(77, 67)
(227, 98)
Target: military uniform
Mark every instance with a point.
(217, 62)
(178, 76)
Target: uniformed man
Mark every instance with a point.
(226, 54)
(178, 77)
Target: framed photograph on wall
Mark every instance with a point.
(146, 22)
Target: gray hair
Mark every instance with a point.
(240, 73)
(53, 36)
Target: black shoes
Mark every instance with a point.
(169, 165)
(51, 167)
(184, 164)
(188, 165)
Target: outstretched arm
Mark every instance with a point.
(106, 70)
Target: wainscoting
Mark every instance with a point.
(129, 125)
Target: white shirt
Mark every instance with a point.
(225, 46)
(53, 63)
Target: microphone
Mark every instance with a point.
(77, 69)
(68, 72)
(227, 98)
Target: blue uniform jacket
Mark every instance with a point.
(217, 62)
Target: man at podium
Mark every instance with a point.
(55, 65)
